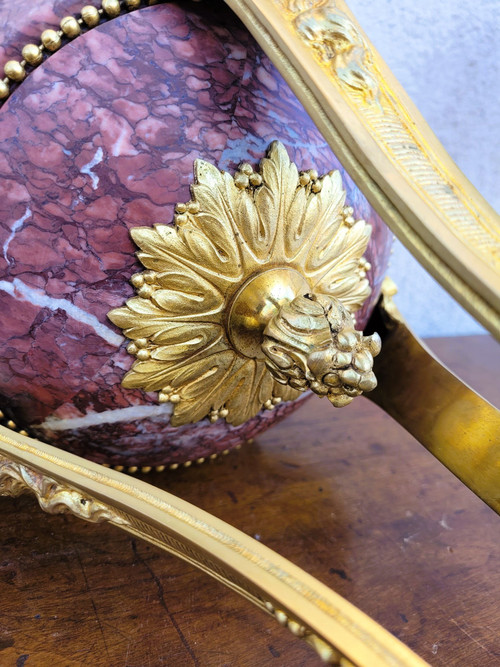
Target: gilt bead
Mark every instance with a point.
(4, 90)
(343, 359)
(51, 40)
(32, 54)
(132, 348)
(332, 380)
(132, 4)
(145, 291)
(241, 181)
(339, 401)
(70, 27)
(149, 277)
(246, 169)
(255, 179)
(137, 280)
(90, 15)
(14, 70)
(111, 7)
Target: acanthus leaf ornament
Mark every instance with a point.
(53, 497)
(240, 250)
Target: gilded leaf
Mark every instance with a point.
(185, 342)
(155, 374)
(185, 295)
(342, 256)
(139, 318)
(274, 197)
(214, 191)
(257, 232)
(204, 386)
(321, 218)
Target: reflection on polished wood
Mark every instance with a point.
(347, 495)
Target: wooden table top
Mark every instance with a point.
(345, 494)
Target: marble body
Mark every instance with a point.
(102, 138)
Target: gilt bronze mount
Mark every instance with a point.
(250, 299)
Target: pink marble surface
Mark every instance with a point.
(102, 138)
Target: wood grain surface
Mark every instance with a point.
(345, 494)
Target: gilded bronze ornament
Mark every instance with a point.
(53, 497)
(340, 633)
(250, 299)
(311, 343)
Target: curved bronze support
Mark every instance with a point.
(447, 417)
(339, 632)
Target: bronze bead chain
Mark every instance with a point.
(52, 39)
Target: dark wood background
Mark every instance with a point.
(345, 494)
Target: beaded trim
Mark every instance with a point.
(6, 421)
(70, 27)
